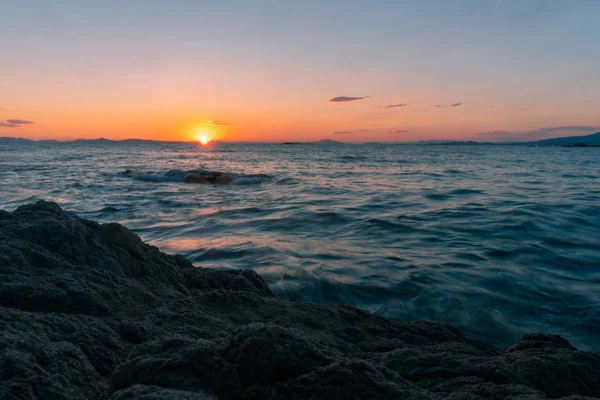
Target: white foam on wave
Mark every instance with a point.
(250, 179)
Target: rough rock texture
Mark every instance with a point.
(90, 311)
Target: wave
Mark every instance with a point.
(206, 176)
(453, 171)
(452, 193)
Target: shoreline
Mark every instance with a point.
(90, 311)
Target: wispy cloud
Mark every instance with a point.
(216, 122)
(446, 105)
(538, 134)
(19, 122)
(393, 106)
(399, 131)
(343, 133)
(14, 123)
(345, 99)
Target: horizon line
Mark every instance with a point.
(426, 141)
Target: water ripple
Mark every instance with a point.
(496, 240)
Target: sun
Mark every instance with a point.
(203, 135)
(203, 139)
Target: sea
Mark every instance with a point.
(497, 240)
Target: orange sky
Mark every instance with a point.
(266, 72)
(158, 118)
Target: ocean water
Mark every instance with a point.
(498, 241)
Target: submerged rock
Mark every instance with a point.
(90, 311)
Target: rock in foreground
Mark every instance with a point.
(90, 311)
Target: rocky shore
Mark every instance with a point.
(88, 311)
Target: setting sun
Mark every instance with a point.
(203, 139)
(200, 133)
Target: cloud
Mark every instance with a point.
(215, 123)
(14, 123)
(19, 122)
(399, 131)
(345, 99)
(393, 106)
(446, 105)
(342, 133)
(538, 134)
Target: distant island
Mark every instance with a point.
(329, 141)
(323, 141)
(108, 141)
(581, 145)
(587, 140)
(592, 140)
(464, 143)
(5, 139)
(15, 140)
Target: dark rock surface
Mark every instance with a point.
(90, 311)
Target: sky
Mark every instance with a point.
(354, 71)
